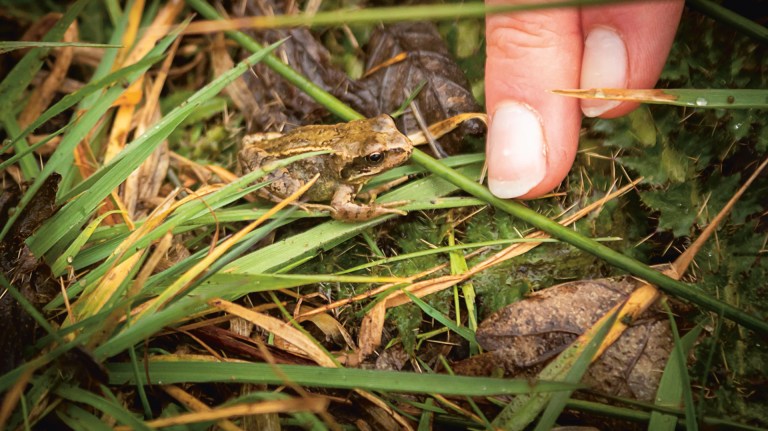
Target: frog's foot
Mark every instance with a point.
(370, 195)
(356, 212)
(345, 208)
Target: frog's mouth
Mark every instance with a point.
(362, 168)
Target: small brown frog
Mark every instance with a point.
(359, 150)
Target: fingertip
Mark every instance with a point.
(516, 151)
(604, 65)
(529, 152)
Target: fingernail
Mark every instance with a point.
(604, 65)
(517, 151)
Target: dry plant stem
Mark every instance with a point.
(294, 405)
(393, 60)
(684, 260)
(277, 327)
(440, 128)
(11, 398)
(646, 295)
(196, 405)
(450, 404)
(155, 258)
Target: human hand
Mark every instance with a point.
(533, 134)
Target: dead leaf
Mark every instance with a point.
(523, 336)
(446, 91)
(282, 105)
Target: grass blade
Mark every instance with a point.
(695, 98)
(558, 400)
(440, 317)
(101, 403)
(101, 184)
(170, 372)
(671, 386)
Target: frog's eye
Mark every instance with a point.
(375, 158)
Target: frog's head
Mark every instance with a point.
(380, 148)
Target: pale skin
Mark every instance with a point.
(533, 135)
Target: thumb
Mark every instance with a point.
(533, 135)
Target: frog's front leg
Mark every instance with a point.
(346, 209)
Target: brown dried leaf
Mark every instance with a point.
(284, 106)
(523, 336)
(238, 89)
(331, 328)
(371, 329)
(446, 92)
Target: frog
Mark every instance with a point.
(357, 151)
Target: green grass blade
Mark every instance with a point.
(636, 415)
(691, 421)
(18, 155)
(432, 312)
(430, 12)
(60, 264)
(102, 404)
(451, 248)
(100, 185)
(558, 400)
(671, 386)
(27, 162)
(172, 372)
(81, 420)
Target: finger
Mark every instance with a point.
(625, 46)
(533, 134)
